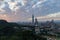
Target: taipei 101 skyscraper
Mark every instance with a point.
(32, 19)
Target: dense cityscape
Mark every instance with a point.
(29, 19)
(34, 30)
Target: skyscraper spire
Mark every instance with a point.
(32, 18)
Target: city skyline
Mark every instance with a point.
(22, 10)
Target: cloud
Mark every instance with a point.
(1, 10)
(15, 10)
(12, 5)
(55, 16)
(1, 0)
(39, 3)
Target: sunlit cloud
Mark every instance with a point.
(9, 18)
(38, 3)
(12, 4)
(4, 16)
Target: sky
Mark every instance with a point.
(22, 10)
